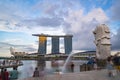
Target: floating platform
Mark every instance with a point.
(11, 66)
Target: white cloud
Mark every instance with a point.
(81, 26)
(14, 41)
(115, 41)
(115, 10)
(62, 17)
(74, 19)
(98, 14)
(5, 48)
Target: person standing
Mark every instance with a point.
(6, 74)
(36, 73)
(14, 74)
(72, 67)
(2, 74)
(0, 77)
(90, 63)
(116, 61)
(110, 66)
(95, 64)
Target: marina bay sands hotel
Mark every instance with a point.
(55, 43)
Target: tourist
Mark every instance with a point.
(14, 74)
(110, 66)
(116, 61)
(0, 77)
(90, 63)
(95, 64)
(72, 67)
(6, 74)
(3, 63)
(36, 72)
(0, 63)
(2, 74)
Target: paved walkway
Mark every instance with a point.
(88, 75)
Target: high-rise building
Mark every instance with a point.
(42, 44)
(55, 45)
(68, 44)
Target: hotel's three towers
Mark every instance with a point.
(55, 43)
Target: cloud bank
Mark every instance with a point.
(60, 17)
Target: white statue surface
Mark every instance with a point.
(102, 41)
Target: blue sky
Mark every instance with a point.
(19, 19)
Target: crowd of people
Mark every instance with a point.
(112, 64)
(92, 64)
(9, 75)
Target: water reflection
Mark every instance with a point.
(28, 67)
(49, 67)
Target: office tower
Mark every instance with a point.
(68, 44)
(42, 44)
(55, 45)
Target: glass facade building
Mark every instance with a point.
(55, 45)
(42, 45)
(68, 44)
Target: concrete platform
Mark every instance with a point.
(88, 75)
(11, 66)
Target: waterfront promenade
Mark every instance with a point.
(10, 63)
(87, 75)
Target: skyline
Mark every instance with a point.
(21, 18)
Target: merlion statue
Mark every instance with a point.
(102, 41)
